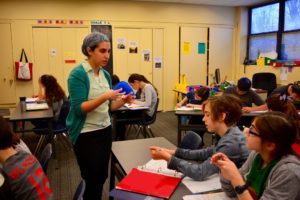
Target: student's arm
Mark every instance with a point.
(148, 97)
(184, 100)
(116, 104)
(255, 108)
(196, 171)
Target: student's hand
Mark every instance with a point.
(178, 105)
(38, 100)
(113, 94)
(158, 153)
(228, 169)
(247, 109)
(189, 105)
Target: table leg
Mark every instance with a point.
(178, 130)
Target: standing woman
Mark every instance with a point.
(88, 122)
(148, 92)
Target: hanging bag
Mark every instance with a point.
(23, 69)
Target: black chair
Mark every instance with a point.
(45, 157)
(59, 127)
(79, 191)
(265, 81)
(144, 126)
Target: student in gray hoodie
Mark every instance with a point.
(271, 170)
(221, 113)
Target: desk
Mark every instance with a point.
(132, 153)
(245, 119)
(118, 116)
(17, 115)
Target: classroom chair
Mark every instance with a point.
(264, 81)
(59, 127)
(144, 126)
(45, 157)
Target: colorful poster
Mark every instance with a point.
(201, 48)
(186, 48)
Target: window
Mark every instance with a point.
(275, 27)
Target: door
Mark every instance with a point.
(221, 52)
(193, 54)
(57, 51)
(7, 80)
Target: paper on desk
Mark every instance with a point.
(184, 108)
(31, 99)
(259, 111)
(134, 106)
(160, 167)
(211, 196)
(211, 183)
(37, 106)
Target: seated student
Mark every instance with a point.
(196, 99)
(247, 96)
(281, 103)
(54, 96)
(23, 173)
(291, 91)
(114, 80)
(271, 170)
(221, 113)
(148, 94)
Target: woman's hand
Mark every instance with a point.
(228, 169)
(178, 105)
(128, 98)
(158, 153)
(113, 94)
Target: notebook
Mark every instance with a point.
(210, 196)
(184, 108)
(149, 183)
(125, 195)
(36, 106)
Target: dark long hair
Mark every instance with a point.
(281, 103)
(6, 135)
(53, 91)
(276, 127)
(140, 77)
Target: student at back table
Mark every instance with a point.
(221, 113)
(247, 96)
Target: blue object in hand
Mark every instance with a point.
(125, 87)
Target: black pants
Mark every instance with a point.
(92, 150)
(201, 131)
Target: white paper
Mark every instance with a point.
(37, 106)
(211, 196)
(31, 99)
(283, 73)
(146, 55)
(211, 183)
(184, 108)
(134, 106)
(160, 167)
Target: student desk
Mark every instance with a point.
(19, 116)
(132, 153)
(245, 119)
(118, 116)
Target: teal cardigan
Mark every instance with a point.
(79, 87)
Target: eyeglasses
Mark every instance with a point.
(251, 132)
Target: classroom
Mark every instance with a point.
(166, 50)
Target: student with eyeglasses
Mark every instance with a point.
(271, 171)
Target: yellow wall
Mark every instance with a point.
(242, 28)
(24, 14)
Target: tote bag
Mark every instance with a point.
(23, 69)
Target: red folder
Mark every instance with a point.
(149, 183)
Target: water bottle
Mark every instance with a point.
(23, 104)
